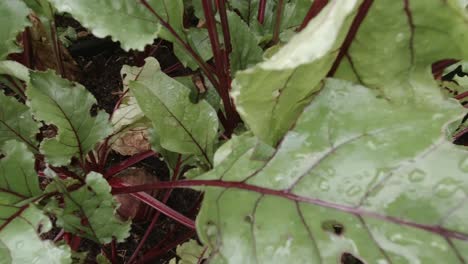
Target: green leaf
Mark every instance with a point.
(11, 75)
(245, 49)
(14, 69)
(399, 39)
(198, 39)
(293, 14)
(21, 222)
(270, 96)
(16, 122)
(126, 21)
(67, 105)
(13, 18)
(190, 252)
(357, 176)
(182, 126)
(101, 259)
(90, 211)
(248, 10)
(18, 179)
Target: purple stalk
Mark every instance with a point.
(261, 11)
(314, 10)
(127, 163)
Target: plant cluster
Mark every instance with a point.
(318, 131)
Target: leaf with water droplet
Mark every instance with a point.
(391, 199)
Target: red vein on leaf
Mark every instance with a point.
(19, 136)
(314, 10)
(362, 13)
(291, 196)
(409, 16)
(13, 193)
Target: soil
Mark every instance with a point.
(100, 62)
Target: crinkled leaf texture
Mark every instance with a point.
(358, 177)
(13, 18)
(16, 122)
(66, 105)
(90, 211)
(271, 95)
(21, 222)
(182, 126)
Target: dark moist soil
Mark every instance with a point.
(100, 61)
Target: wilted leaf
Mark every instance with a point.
(13, 18)
(357, 178)
(21, 222)
(130, 207)
(68, 106)
(271, 95)
(133, 141)
(43, 54)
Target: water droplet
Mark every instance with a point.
(36, 260)
(400, 37)
(438, 245)
(396, 237)
(446, 188)
(417, 175)
(330, 171)
(463, 164)
(19, 244)
(371, 145)
(353, 190)
(324, 185)
(437, 116)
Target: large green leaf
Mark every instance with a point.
(182, 126)
(22, 223)
(399, 39)
(13, 19)
(90, 211)
(16, 122)
(357, 177)
(127, 21)
(272, 94)
(68, 106)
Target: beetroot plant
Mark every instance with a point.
(317, 131)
